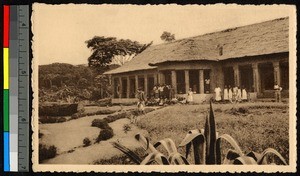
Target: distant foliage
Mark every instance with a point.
(70, 83)
(61, 74)
(167, 36)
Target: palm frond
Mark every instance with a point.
(132, 155)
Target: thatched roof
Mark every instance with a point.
(251, 40)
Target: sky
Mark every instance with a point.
(60, 31)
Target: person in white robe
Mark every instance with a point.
(230, 94)
(244, 94)
(226, 96)
(218, 94)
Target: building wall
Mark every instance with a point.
(138, 76)
(216, 72)
(256, 62)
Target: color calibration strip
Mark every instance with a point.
(13, 88)
(16, 88)
(6, 88)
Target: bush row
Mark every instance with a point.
(55, 109)
(100, 112)
(49, 119)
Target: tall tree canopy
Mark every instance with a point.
(106, 48)
(167, 36)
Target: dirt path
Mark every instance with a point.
(76, 130)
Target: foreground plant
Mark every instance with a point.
(206, 145)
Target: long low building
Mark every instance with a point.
(254, 56)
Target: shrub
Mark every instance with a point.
(105, 111)
(86, 142)
(47, 119)
(55, 109)
(112, 118)
(46, 152)
(61, 119)
(126, 128)
(76, 115)
(41, 135)
(100, 123)
(104, 102)
(238, 111)
(100, 112)
(105, 134)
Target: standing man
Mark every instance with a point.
(141, 100)
(277, 89)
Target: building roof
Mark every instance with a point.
(256, 39)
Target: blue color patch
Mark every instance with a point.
(6, 152)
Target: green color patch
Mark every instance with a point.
(6, 110)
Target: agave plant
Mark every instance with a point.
(206, 145)
(174, 157)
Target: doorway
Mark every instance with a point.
(194, 80)
(266, 72)
(246, 77)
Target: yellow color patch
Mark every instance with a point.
(5, 68)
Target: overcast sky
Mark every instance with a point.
(60, 31)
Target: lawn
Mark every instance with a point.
(256, 127)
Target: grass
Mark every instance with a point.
(121, 159)
(261, 126)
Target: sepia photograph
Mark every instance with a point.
(164, 88)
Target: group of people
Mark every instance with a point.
(163, 91)
(231, 94)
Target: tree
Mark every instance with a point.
(106, 48)
(167, 36)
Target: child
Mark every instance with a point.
(190, 96)
(226, 96)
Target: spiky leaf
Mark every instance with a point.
(210, 136)
(132, 155)
(244, 160)
(270, 151)
(168, 144)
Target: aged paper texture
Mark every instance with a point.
(174, 59)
